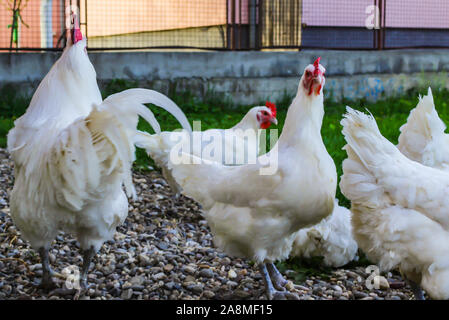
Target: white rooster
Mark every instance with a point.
(400, 207)
(73, 153)
(242, 141)
(422, 138)
(331, 239)
(256, 215)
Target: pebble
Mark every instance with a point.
(360, 295)
(208, 294)
(383, 282)
(189, 270)
(159, 276)
(168, 267)
(232, 274)
(127, 294)
(207, 273)
(137, 281)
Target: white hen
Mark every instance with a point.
(422, 138)
(331, 239)
(240, 144)
(73, 153)
(256, 215)
(400, 207)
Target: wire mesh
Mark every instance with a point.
(280, 23)
(415, 23)
(31, 24)
(337, 24)
(155, 23)
(227, 24)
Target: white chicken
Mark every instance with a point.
(422, 138)
(331, 239)
(73, 153)
(400, 207)
(237, 145)
(254, 213)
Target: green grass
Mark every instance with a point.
(216, 111)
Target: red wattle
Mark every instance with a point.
(310, 88)
(265, 125)
(78, 36)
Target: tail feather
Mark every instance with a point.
(363, 136)
(155, 147)
(159, 146)
(125, 107)
(422, 137)
(134, 100)
(367, 149)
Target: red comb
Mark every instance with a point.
(316, 64)
(272, 107)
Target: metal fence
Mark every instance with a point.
(27, 25)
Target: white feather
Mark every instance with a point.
(399, 206)
(331, 239)
(422, 138)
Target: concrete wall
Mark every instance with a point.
(249, 77)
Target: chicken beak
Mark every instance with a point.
(273, 120)
(317, 82)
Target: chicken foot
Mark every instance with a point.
(271, 291)
(416, 289)
(47, 282)
(276, 277)
(88, 255)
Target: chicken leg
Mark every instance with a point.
(271, 291)
(416, 289)
(276, 277)
(88, 254)
(47, 282)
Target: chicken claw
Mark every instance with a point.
(276, 277)
(416, 289)
(271, 292)
(87, 259)
(47, 282)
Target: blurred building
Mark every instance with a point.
(231, 24)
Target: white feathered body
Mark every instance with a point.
(257, 216)
(73, 154)
(331, 239)
(422, 138)
(238, 145)
(400, 207)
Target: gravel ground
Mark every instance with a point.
(163, 251)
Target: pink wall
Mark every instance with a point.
(243, 12)
(417, 13)
(399, 13)
(342, 13)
